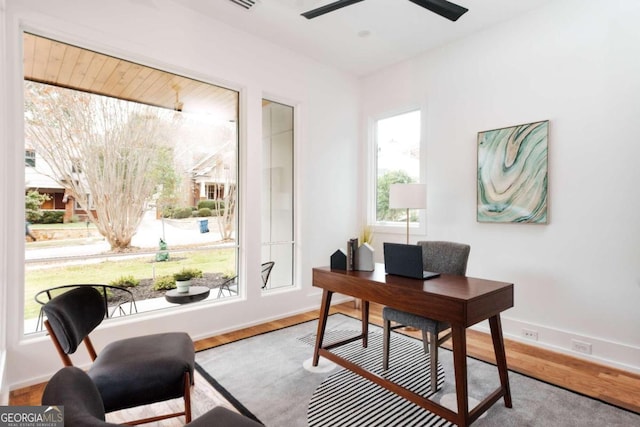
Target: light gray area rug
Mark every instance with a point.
(271, 376)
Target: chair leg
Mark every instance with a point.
(220, 289)
(386, 337)
(425, 341)
(40, 321)
(433, 361)
(66, 360)
(187, 397)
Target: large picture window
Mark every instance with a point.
(143, 167)
(396, 159)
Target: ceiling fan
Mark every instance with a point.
(443, 8)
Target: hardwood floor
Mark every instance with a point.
(614, 386)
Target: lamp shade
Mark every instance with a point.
(407, 196)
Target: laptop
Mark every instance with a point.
(405, 260)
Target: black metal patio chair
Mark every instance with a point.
(229, 284)
(125, 301)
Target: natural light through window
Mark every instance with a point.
(277, 195)
(397, 160)
(131, 177)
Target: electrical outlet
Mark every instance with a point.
(581, 346)
(530, 334)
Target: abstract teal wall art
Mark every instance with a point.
(512, 174)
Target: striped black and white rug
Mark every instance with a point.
(346, 399)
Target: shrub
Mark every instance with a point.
(180, 213)
(210, 204)
(125, 282)
(228, 274)
(187, 273)
(164, 283)
(74, 219)
(50, 217)
(105, 292)
(167, 212)
(204, 212)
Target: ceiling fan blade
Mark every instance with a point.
(443, 8)
(329, 8)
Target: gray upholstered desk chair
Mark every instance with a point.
(72, 388)
(441, 257)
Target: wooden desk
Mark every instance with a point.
(461, 301)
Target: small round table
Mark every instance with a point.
(196, 293)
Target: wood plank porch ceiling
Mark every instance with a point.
(52, 62)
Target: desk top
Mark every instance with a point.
(456, 299)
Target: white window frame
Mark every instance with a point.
(240, 272)
(294, 222)
(392, 227)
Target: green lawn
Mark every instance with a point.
(209, 261)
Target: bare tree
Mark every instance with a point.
(224, 181)
(226, 218)
(103, 151)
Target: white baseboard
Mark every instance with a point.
(313, 305)
(603, 352)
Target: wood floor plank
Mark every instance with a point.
(614, 386)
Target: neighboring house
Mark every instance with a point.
(38, 177)
(213, 177)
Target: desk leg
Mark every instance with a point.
(322, 324)
(365, 323)
(459, 338)
(501, 358)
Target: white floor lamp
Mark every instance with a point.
(408, 196)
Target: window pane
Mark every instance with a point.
(30, 158)
(140, 177)
(397, 160)
(277, 194)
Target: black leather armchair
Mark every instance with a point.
(73, 389)
(129, 372)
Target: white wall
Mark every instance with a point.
(575, 63)
(164, 35)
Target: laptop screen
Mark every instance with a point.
(405, 260)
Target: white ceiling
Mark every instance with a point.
(396, 29)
